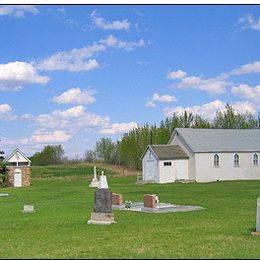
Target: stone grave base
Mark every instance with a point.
(161, 208)
(101, 218)
(255, 233)
(4, 195)
(94, 184)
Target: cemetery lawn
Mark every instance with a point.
(58, 229)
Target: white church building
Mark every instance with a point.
(204, 155)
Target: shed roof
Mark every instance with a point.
(220, 140)
(10, 156)
(168, 152)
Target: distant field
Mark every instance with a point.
(77, 170)
(58, 229)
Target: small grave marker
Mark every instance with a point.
(150, 201)
(28, 209)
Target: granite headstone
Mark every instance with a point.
(103, 201)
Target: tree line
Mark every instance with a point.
(130, 148)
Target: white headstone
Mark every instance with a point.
(28, 209)
(94, 183)
(103, 181)
(95, 173)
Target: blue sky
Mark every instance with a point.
(72, 74)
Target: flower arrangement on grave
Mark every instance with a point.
(128, 204)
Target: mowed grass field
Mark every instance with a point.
(59, 227)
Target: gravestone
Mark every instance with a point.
(117, 199)
(103, 201)
(4, 194)
(150, 201)
(28, 209)
(94, 183)
(258, 216)
(102, 214)
(257, 232)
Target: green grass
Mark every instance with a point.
(66, 170)
(58, 229)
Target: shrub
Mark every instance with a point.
(3, 175)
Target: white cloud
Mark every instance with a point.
(15, 75)
(79, 59)
(157, 98)
(215, 85)
(247, 92)
(113, 42)
(5, 109)
(249, 22)
(163, 98)
(118, 128)
(74, 118)
(47, 137)
(27, 116)
(209, 110)
(18, 10)
(150, 104)
(6, 112)
(75, 96)
(143, 63)
(100, 22)
(244, 106)
(179, 74)
(247, 69)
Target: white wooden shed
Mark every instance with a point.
(164, 163)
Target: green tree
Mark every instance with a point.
(105, 150)
(229, 119)
(3, 175)
(51, 154)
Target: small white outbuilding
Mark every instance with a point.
(164, 163)
(18, 165)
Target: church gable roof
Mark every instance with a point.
(220, 140)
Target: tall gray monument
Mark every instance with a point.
(102, 214)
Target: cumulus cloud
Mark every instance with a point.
(249, 22)
(208, 110)
(118, 128)
(15, 75)
(247, 92)
(47, 137)
(179, 74)
(100, 22)
(18, 11)
(163, 98)
(79, 59)
(6, 112)
(215, 85)
(150, 104)
(75, 96)
(247, 69)
(157, 98)
(73, 119)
